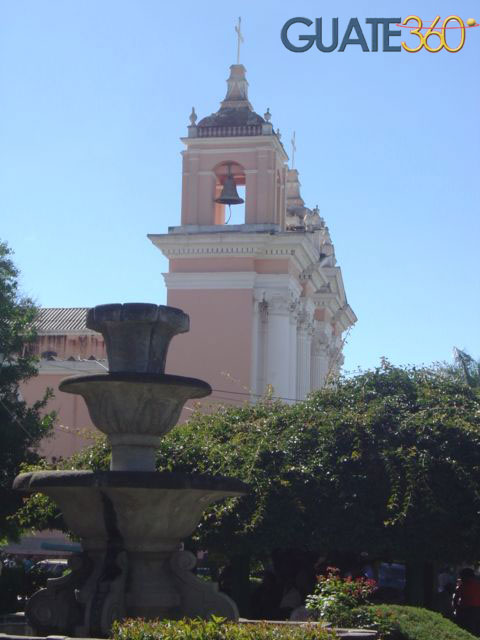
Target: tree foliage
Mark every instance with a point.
(468, 367)
(386, 462)
(21, 426)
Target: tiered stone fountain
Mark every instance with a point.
(131, 520)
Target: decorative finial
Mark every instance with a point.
(308, 220)
(238, 29)
(279, 135)
(267, 115)
(316, 209)
(193, 117)
(294, 148)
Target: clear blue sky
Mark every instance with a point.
(96, 93)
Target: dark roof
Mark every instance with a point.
(62, 319)
(232, 117)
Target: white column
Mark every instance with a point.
(259, 347)
(321, 354)
(301, 358)
(255, 354)
(278, 346)
(292, 394)
(304, 345)
(336, 356)
(319, 364)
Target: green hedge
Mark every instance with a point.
(413, 623)
(214, 629)
(393, 622)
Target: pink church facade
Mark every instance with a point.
(266, 298)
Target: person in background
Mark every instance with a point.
(444, 600)
(466, 601)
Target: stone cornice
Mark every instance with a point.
(262, 284)
(263, 245)
(269, 244)
(342, 313)
(345, 317)
(278, 282)
(235, 144)
(336, 274)
(350, 315)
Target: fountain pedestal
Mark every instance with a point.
(131, 520)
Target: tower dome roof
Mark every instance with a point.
(236, 115)
(231, 116)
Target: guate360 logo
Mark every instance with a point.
(435, 35)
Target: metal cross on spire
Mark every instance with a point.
(238, 29)
(294, 148)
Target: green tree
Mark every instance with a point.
(385, 462)
(21, 426)
(467, 366)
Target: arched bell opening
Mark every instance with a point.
(230, 194)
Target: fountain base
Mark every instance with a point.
(131, 524)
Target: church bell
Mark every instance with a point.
(229, 193)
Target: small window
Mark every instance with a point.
(49, 355)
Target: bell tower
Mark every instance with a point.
(265, 298)
(235, 141)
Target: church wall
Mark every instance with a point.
(225, 265)
(272, 266)
(205, 265)
(65, 346)
(73, 419)
(218, 346)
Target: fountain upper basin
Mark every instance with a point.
(135, 402)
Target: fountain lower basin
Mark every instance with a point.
(131, 524)
(140, 510)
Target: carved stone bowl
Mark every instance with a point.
(137, 511)
(131, 525)
(133, 403)
(137, 335)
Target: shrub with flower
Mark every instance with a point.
(334, 597)
(344, 602)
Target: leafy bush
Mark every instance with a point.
(342, 602)
(396, 622)
(393, 622)
(214, 629)
(333, 594)
(413, 623)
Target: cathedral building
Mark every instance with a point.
(265, 296)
